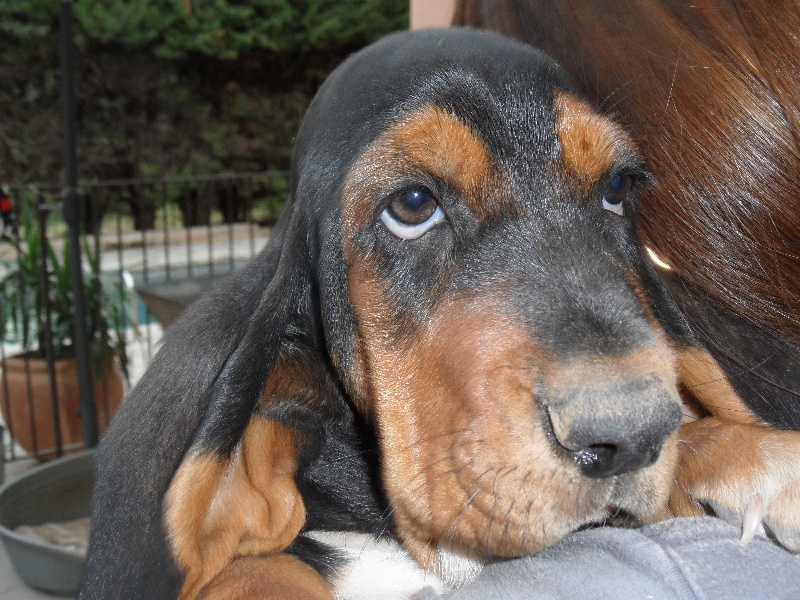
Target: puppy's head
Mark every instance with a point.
(482, 295)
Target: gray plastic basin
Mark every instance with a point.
(58, 491)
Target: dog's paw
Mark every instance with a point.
(746, 474)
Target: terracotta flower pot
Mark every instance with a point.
(28, 409)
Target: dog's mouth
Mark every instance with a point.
(617, 517)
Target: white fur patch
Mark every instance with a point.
(380, 569)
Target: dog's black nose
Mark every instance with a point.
(613, 425)
(606, 460)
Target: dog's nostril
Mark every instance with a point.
(606, 460)
(597, 460)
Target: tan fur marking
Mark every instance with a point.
(435, 141)
(275, 577)
(217, 510)
(590, 142)
(429, 141)
(366, 292)
(709, 385)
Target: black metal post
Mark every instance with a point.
(46, 321)
(72, 211)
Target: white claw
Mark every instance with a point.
(753, 516)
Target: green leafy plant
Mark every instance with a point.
(23, 285)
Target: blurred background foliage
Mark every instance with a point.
(172, 87)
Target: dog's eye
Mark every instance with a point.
(412, 213)
(616, 191)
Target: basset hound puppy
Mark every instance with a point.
(452, 341)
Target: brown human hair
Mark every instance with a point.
(710, 91)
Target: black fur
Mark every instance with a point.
(761, 364)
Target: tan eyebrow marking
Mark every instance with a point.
(590, 142)
(432, 141)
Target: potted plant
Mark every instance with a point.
(36, 305)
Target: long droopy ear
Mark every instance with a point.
(188, 477)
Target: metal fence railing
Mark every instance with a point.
(150, 247)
